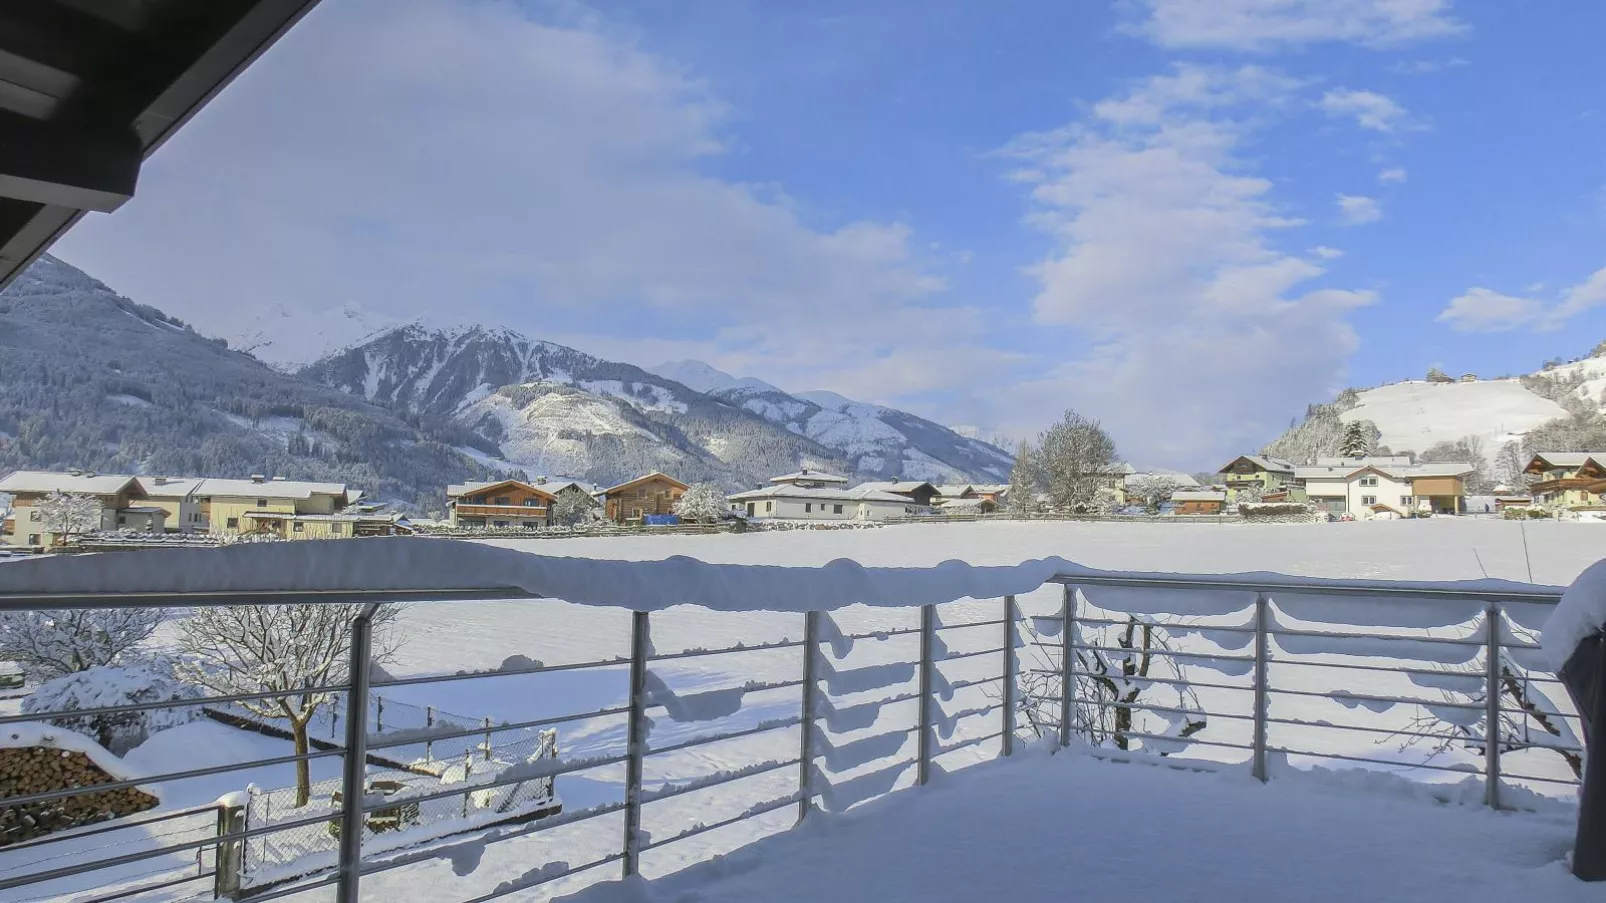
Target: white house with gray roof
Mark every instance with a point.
(1389, 486)
(788, 502)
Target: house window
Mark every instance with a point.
(499, 500)
(1368, 499)
(262, 503)
(641, 492)
(122, 519)
(769, 506)
(529, 503)
(33, 539)
(808, 508)
(635, 512)
(336, 529)
(33, 514)
(298, 527)
(1407, 500)
(836, 509)
(1368, 481)
(234, 523)
(529, 524)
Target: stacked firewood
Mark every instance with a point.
(30, 770)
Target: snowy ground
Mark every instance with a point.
(447, 638)
(1067, 827)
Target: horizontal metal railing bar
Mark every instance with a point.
(1541, 679)
(1367, 697)
(761, 809)
(172, 704)
(959, 656)
(105, 828)
(973, 741)
(941, 627)
(1523, 744)
(1159, 680)
(493, 729)
(976, 682)
(877, 634)
(294, 887)
(1171, 653)
(1507, 642)
(1384, 637)
(659, 795)
(51, 601)
(1375, 669)
(901, 697)
(1394, 764)
(1184, 740)
(1387, 731)
(87, 789)
(729, 650)
(1149, 707)
(147, 888)
(1310, 587)
(1565, 782)
(468, 787)
(763, 728)
(1109, 622)
(481, 675)
(755, 688)
(415, 856)
(1506, 711)
(543, 879)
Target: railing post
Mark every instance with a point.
(928, 637)
(354, 785)
(487, 739)
(429, 742)
(640, 640)
(1491, 707)
(1008, 746)
(805, 768)
(379, 714)
(230, 857)
(1067, 661)
(1262, 688)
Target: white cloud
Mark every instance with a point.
(1165, 260)
(1370, 110)
(1326, 253)
(1484, 310)
(1358, 210)
(1391, 175)
(1427, 67)
(483, 162)
(1263, 25)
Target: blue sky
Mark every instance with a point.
(1187, 218)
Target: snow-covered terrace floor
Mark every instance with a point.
(1069, 827)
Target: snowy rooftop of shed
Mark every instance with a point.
(809, 476)
(823, 493)
(1199, 495)
(895, 485)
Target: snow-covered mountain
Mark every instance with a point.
(882, 441)
(554, 410)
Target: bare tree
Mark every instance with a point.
(1076, 461)
(1111, 685)
(50, 644)
(1509, 464)
(703, 502)
(1152, 489)
(297, 650)
(1024, 482)
(67, 514)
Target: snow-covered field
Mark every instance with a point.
(1208, 825)
(1415, 414)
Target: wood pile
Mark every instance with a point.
(28, 770)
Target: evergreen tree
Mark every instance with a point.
(1356, 443)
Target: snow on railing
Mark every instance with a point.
(711, 746)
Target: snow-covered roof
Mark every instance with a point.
(657, 474)
(1199, 495)
(990, 488)
(895, 485)
(79, 484)
(557, 486)
(1404, 470)
(1551, 459)
(954, 490)
(1264, 462)
(457, 490)
(170, 487)
(1374, 460)
(271, 489)
(809, 476)
(1175, 479)
(963, 503)
(823, 493)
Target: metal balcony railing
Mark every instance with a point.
(1445, 681)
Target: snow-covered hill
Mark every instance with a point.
(554, 410)
(879, 441)
(1415, 414)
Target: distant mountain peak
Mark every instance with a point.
(704, 377)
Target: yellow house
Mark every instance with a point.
(177, 497)
(292, 509)
(1568, 479)
(119, 497)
